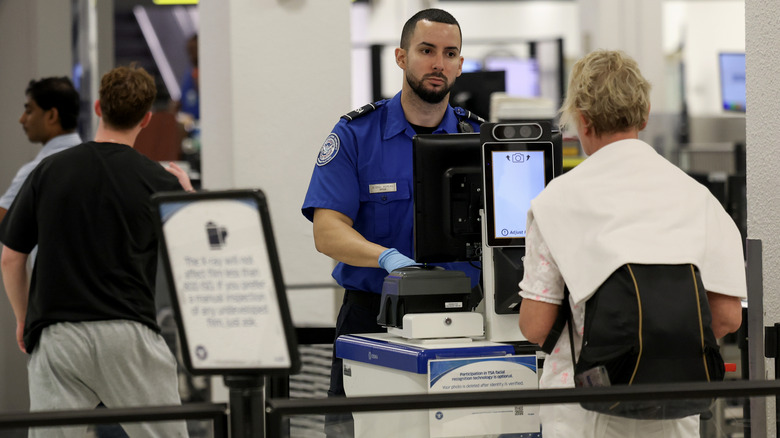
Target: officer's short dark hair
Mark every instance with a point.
(434, 15)
(56, 92)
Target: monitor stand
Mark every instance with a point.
(498, 264)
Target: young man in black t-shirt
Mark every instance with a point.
(88, 317)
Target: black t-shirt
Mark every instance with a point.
(88, 209)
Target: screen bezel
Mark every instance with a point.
(264, 221)
(488, 148)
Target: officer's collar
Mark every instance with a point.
(396, 120)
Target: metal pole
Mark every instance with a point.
(247, 410)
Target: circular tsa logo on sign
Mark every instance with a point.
(201, 353)
(329, 149)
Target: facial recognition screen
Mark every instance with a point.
(514, 175)
(224, 278)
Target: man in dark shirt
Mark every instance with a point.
(88, 318)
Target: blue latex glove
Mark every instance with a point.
(391, 259)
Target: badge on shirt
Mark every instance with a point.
(329, 149)
(381, 188)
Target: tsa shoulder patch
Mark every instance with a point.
(329, 149)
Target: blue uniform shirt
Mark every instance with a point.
(190, 100)
(364, 170)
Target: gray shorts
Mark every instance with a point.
(121, 363)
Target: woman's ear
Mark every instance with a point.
(583, 122)
(647, 119)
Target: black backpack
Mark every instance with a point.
(646, 324)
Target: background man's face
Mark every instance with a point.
(33, 122)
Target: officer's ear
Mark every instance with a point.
(400, 58)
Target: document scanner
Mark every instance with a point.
(428, 302)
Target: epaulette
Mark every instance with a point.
(363, 110)
(463, 115)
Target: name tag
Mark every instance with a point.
(381, 188)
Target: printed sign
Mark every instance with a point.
(483, 374)
(224, 284)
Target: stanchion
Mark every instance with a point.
(247, 406)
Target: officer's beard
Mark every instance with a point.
(429, 96)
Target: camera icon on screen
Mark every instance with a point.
(216, 235)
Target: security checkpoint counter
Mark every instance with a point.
(384, 364)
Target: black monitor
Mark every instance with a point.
(472, 90)
(447, 197)
(448, 194)
(732, 81)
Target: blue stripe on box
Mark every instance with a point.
(409, 358)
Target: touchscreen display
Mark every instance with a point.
(515, 173)
(518, 176)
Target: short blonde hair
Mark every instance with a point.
(610, 92)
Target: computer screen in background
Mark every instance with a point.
(732, 81)
(472, 91)
(471, 65)
(521, 74)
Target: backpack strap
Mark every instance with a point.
(564, 316)
(571, 328)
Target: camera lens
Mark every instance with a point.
(517, 131)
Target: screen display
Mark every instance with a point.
(471, 65)
(515, 173)
(732, 81)
(518, 176)
(521, 75)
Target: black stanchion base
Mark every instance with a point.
(247, 408)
